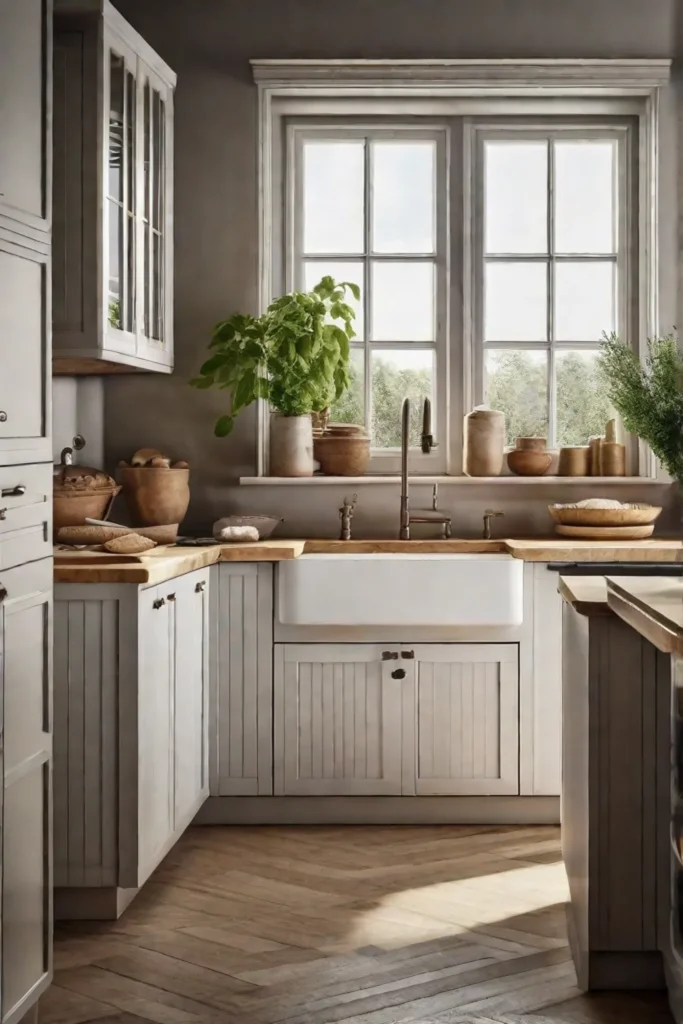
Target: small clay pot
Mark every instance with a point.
(343, 456)
(531, 444)
(156, 497)
(529, 463)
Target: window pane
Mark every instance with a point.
(397, 375)
(516, 302)
(402, 300)
(334, 175)
(314, 271)
(583, 408)
(351, 406)
(516, 197)
(516, 383)
(585, 197)
(403, 195)
(584, 300)
(116, 72)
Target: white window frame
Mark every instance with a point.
(622, 258)
(474, 91)
(298, 133)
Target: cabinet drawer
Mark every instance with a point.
(25, 514)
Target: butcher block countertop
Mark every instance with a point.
(586, 594)
(165, 563)
(652, 605)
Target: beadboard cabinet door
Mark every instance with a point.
(337, 728)
(156, 802)
(26, 680)
(241, 644)
(466, 732)
(190, 611)
(25, 115)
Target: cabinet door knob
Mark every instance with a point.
(13, 492)
(159, 603)
(3, 416)
(398, 673)
(171, 597)
(3, 513)
(3, 593)
(408, 655)
(200, 586)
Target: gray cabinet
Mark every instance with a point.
(131, 742)
(113, 283)
(241, 739)
(24, 351)
(411, 720)
(25, 123)
(26, 684)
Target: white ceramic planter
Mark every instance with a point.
(291, 445)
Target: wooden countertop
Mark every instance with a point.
(652, 605)
(586, 594)
(164, 563)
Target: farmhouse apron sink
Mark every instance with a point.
(401, 590)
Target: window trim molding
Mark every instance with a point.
(573, 80)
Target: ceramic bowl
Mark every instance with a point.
(529, 463)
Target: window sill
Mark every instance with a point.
(320, 480)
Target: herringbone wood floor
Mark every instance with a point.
(353, 925)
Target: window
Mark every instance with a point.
(498, 217)
(551, 277)
(369, 207)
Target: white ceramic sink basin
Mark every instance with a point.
(401, 590)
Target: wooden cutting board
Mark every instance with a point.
(606, 532)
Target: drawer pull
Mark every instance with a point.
(389, 655)
(3, 416)
(3, 513)
(159, 603)
(13, 492)
(200, 587)
(171, 597)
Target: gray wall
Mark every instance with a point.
(209, 43)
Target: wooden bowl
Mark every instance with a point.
(531, 444)
(155, 497)
(634, 515)
(342, 456)
(529, 463)
(606, 532)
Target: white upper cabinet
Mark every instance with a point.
(25, 86)
(113, 196)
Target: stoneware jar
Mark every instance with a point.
(291, 445)
(484, 442)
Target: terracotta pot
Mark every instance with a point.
(524, 462)
(291, 445)
(343, 456)
(155, 497)
(74, 509)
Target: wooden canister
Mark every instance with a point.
(484, 442)
(574, 461)
(613, 459)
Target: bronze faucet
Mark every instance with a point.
(427, 445)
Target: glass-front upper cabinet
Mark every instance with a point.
(113, 280)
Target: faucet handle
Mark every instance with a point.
(490, 514)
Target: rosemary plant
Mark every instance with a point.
(649, 396)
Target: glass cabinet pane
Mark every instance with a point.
(154, 108)
(115, 183)
(129, 163)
